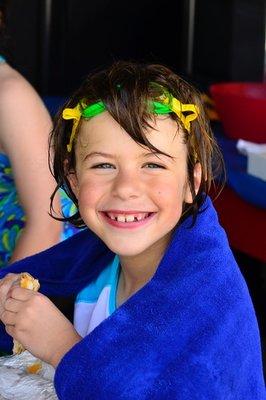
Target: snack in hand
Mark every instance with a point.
(27, 282)
(34, 368)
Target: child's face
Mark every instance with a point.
(131, 198)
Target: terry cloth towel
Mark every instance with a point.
(190, 333)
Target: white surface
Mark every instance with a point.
(257, 165)
(245, 147)
(17, 384)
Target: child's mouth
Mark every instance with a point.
(127, 220)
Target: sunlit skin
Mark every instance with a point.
(114, 175)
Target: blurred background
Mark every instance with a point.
(56, 43)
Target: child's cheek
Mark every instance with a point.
(90, 193)
(169, 192)
(169, 200)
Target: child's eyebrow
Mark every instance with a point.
(157, 154)
(99, 153)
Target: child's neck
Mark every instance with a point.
(137, 270)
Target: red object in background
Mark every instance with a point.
(242, 109)
(244, 224)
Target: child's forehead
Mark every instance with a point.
(103, 130)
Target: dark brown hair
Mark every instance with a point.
(125, 88)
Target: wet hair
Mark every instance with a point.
(125, 88)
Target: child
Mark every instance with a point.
(161, 309)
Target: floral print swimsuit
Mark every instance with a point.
(12, 217)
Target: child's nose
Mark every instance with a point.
(127, 185)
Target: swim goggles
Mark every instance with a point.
(166, 104)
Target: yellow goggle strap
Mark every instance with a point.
(166, 105)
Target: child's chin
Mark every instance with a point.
(126, 250)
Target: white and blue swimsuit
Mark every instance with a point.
(97, 300)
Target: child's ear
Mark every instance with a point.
(73, 180)
(197, 176)
(197, 181)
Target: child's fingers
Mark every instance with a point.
(18, 293)
(8, 317)
(8, 277)
(5, 285)
(16, 282)
(12, 305)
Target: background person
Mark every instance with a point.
(25, 180)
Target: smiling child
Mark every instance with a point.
(161, 310)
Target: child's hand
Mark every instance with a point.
(33, 320)
(5, 284)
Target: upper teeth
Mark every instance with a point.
(127, 217)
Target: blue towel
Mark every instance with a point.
(190, 333)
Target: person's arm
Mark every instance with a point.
(24, 129)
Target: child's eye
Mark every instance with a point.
(153, 166)
(103, 166)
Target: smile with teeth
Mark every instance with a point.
(128, 217)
